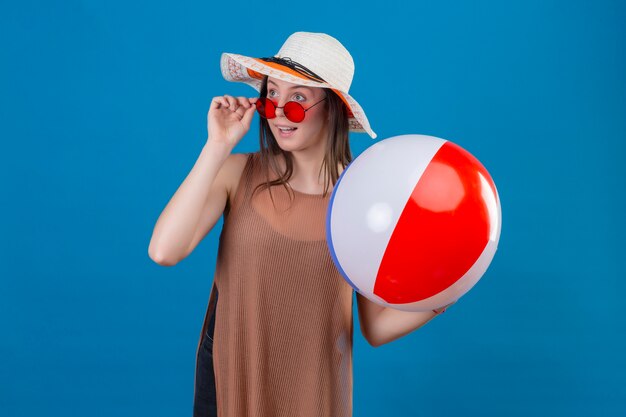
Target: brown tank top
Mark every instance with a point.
(282, 343)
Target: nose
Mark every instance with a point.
(279, 111)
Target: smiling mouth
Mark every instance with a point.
(286, 129)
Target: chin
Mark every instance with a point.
(287, 147)
(287, 142)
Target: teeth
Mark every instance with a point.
(286, 129)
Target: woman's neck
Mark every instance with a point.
(307, 175)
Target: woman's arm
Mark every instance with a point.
(204, 191)
(201, 198)
(381, 325)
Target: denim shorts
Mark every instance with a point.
(204, 402)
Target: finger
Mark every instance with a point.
(232, 102)
(241, 111)
(215, 103)
(243, 101)
(218, 102)
(247, 116)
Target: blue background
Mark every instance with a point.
(103, 113)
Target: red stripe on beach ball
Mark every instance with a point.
(443, 229)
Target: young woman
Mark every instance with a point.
(279, 340)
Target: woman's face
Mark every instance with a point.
(309, 132)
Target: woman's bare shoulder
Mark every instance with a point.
(234, 165)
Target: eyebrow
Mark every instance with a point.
(291, 88)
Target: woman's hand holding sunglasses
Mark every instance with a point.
(229, 119)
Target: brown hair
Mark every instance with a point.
(337, 146)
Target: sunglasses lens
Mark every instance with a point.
(266, 108)
(294, 111)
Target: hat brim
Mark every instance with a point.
(239, 68)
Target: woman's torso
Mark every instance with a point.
(283, 329)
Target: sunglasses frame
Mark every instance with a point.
(265, 100)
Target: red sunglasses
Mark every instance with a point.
(294, 112)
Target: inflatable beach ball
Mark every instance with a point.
(413, 222)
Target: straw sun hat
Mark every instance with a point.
(310, 59)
